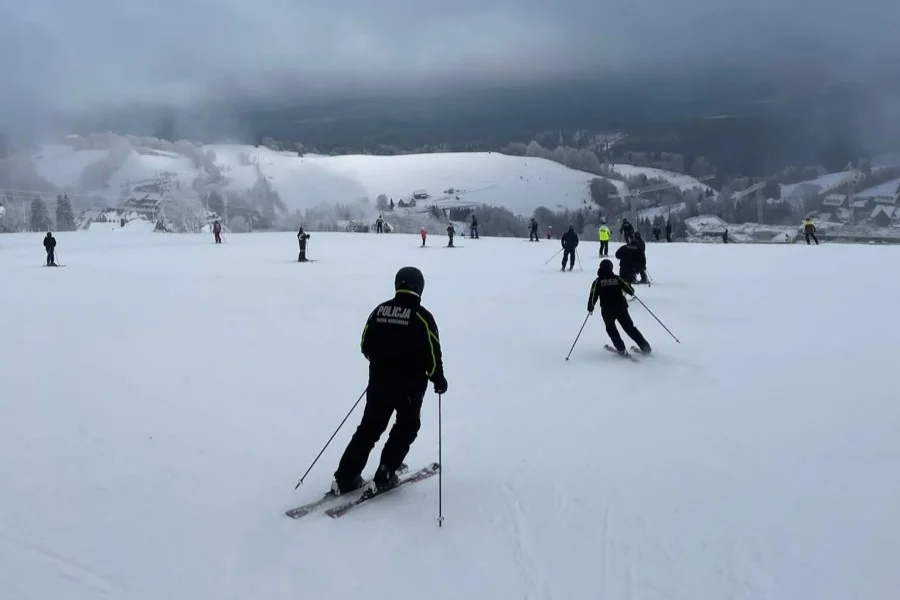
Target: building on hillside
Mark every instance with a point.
(833, 201)
(884, 216)
(885, 200)
(420, 194)
(148, 205)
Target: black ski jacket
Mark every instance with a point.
(629, 259)
(49, 243)
(569, 240)
(607, 291)
(401, 342)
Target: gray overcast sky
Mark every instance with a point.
(66, 54)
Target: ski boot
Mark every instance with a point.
(339, 490)
(386, 479)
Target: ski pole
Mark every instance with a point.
(554, 256)
(578, 256)
(657, 319)
(577, 336)
(322, 451)
(441, 469)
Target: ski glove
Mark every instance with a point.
(440, 384)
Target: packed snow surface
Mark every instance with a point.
(162, 395)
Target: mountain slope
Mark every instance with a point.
(154, 425)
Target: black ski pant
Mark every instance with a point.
(628, 275)
(382, 400)
(813, 236)
(533, 237)
(610, 316)
(568, 255)
(51, 257)
(302, 256)
(604, 247)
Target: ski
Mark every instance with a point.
(637, 350)
(423, 473)
(327, 497)
(614, 351)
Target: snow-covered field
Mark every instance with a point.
(162, 395)
(888, 188)
(683, 182)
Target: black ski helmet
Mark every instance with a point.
(409, 279)
(606, 266)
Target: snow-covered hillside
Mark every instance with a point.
(683, 182)
(162, 395)
(520, 184)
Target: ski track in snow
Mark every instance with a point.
(192, 384)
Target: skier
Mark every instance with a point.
(302, 236)
(451, 231)
(641, 246)
(400, 341)
(725, 237)
(424, 234)
(629, 261)
(607, 290)
(627, 230)
(217, 231)
(533, 236)
(668, 231)
(379, 225)
(569, 243)
(50, 247)
(603, 235)
(809, 231)
(473, 231)
(657, 233)
(549, 231)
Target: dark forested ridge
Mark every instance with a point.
(742, 124)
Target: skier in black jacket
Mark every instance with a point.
(627, 230)
(629, 261)
(569, 242)
(50, 247)
(401, 342)
(607, 290)
(641, 246)
(302, 238)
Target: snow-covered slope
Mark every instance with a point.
(684, 182)
(818, 183)
(888, 188)
(520, 184)
(162, 395)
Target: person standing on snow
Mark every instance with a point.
(379, 225)
(657, 233)
(627, 230)
(641, 246)
(400, 341)
(609, 291)
(217, 232)
(569, 243)
(424, 234)
(50, 247)
(809, 231)
(533, 235)
(302, 237)
(603, 235)
(473, 231)
(451, 231)
(629, 262)
(668, 231)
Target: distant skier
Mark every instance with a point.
(473, 231)
(50, 247)
(641, 246)
(569, 243)
(379, 225)
(657, 233)
(603, 235)
(302, 237)
(400, 341)
(533, 236)
(549, 231)
(607, 290)
(217, 231)
(629, 262)
(668, 231)
(627, 230)
(725, 237)
(451, 231)
(809, 231)
(424, 234)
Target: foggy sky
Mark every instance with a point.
(67, 55)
